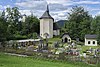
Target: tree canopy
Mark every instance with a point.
(13, 27)
(79, 22)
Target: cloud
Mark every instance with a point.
(31, 4)
(7, 6)
(1, 6)
(98, 13)
(38, 7)
(60, 15)
(87, 2)
(57, 1)
(58, 8)
(27, 12)
(4, 7)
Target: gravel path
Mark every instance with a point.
(16, 54)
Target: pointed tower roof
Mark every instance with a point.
(46, 14)
(47, 8)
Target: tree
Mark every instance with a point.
(34, 35)
(64, 28)
(12, 28)
(3, 31)
(79, 23)
(31, 25)
(13, 15)
(12, 18)
(95, 25)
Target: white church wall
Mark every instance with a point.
(24, 18)
(91, 42)
(56, 32)
(41, 27)
(51, 28)
(46, 26)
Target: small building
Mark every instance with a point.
(56, 29)
(23, 18)
(90, 40)
(66, 38)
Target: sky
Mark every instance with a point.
(59, 9)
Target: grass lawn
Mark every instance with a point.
(54, 39)
(15, 61)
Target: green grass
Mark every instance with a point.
(15, 61)
(54, 39)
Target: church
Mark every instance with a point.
(47, 25)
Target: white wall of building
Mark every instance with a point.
(23, 18)
(68, 38)
(56, 32)
(46, 26)
(91, 42)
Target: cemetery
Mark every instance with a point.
(55, 49)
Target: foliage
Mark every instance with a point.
(79, 22)
(3, 30)
(34, 35)
(95, 25)
(12, 17)
(30, 25)
(12, 26)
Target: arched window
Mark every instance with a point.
(93, 42)
(69, 40)
(88, 42)
(66, 40)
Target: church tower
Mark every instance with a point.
(46, 24)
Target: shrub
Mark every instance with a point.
(49, 42)
(80, 43)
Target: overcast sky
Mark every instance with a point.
(58, 8)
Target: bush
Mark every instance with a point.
(49, 42)
(19, 37)
(62, 56)
(80, 43)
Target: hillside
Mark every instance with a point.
(61, 23)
